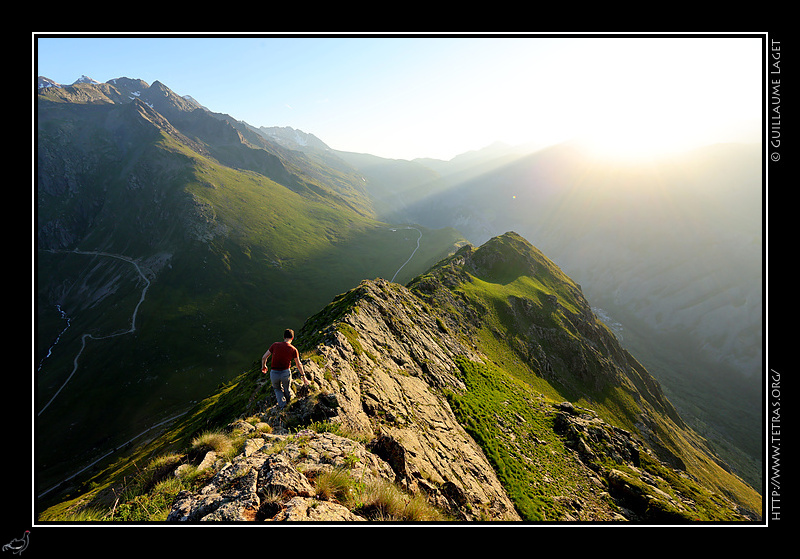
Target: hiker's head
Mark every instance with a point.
(288, 334)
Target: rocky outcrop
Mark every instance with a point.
(271, 480)
(381, 382)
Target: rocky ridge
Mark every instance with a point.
(382, 363)
(380, 381)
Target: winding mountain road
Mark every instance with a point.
(92, 337)
(412, 254)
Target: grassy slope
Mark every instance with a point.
(513, 423)
(615, 404)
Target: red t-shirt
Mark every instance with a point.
(282, 355)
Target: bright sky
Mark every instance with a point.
(437, 97)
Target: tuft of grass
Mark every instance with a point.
(336, 485)
(381, 500)
(153, 506)
(157, 470)
(218, 441)
(375, 499)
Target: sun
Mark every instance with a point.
(632, 143)
(642, 114)
(636, 133)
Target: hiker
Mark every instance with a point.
(280, 375)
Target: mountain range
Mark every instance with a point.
(173, 244)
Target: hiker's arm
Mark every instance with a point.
(264, 361)
(300, 368)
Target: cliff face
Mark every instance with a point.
(405, 396)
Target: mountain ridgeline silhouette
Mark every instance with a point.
(238, 232)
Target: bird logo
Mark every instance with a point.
(18, 545)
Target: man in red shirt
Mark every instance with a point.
(280, 375)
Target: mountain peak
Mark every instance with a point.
(506, 257)
(44, 82)
(84, 79)
(292, 138)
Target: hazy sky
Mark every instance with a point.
(437, 97)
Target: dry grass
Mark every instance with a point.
(376, 499)
(218, 441)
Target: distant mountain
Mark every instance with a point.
(47, 82)
(84, 79)
(175, 243)
(293, 139)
